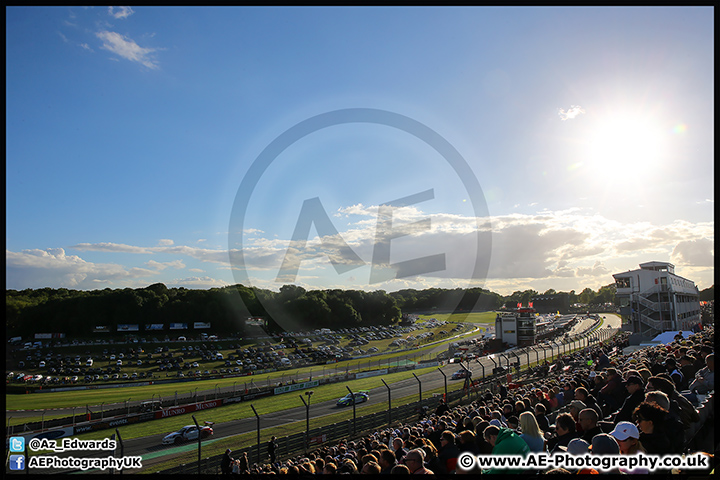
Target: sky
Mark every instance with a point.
(357, 148)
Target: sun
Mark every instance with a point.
(625, 145)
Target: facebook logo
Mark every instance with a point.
(17, 462)
(17, 444)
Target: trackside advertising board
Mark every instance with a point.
(171, 412)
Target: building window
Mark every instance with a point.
(623, 282)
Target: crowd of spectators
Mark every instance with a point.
(599, 400)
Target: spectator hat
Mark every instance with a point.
(496, 422)
(625, 430)
(604, 444)
(577, 446)
(578, 404)
(592, 374)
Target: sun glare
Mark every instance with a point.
(625, 146)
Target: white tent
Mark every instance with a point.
(667, 337)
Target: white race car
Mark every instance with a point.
(187, 433)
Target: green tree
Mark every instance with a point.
(586, 296)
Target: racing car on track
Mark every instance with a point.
(462, 373)
(350, 398)
(187, 433)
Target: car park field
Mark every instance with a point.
(167, 360)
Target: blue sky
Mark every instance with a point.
(589, 132)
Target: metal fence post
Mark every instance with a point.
(353, 404)
(389, 402)
(445, 378)
(258, 432)
(199, 444)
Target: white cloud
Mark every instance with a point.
(563, 250)
(121, 13)
(197, 282)
(694, 253)
(598, 269)
(165, 242)
(53, 268)
(177, 264)
(571, 113)
(110, 247)
(203, 254)
(127, 48)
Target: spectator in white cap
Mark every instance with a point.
(627, 436)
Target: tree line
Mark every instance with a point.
(78, 312)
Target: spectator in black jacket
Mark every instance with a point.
(636, 390)
(612, 394)
(564, 432)
(672, 421)
(448, 453)
(687, 367)
(541, 417)
(650, 418)
(442, 408)
(675, 374)
(226, 462)
(387, 461)
(588, 419)
(687, 412)
(483, 446)
(399, 448)
(582, 394)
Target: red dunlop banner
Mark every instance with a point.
(171, 412)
